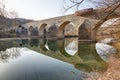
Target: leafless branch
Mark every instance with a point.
(75, 3)
(106, 18)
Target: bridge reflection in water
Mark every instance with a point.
(82, 55)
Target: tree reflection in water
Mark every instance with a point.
(8, 54)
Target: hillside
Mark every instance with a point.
(7, 22)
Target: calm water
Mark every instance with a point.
(36, 59)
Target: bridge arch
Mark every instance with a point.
(42, 30)
(61, 29)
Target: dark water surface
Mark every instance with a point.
(37, 59)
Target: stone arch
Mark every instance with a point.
(70, 30)
(42, 30)
(52, 31)
(61, 29)
(85, 30)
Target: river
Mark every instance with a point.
(47, 59)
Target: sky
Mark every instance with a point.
(37, 9)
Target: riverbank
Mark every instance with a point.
(113, 71)
(17, 38)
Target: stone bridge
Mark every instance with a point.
(68, 25)
(81, 23)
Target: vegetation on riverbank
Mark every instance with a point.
(113, 71)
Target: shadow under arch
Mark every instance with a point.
(42, 30)
(60, 33)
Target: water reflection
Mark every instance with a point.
(52, 45)
(34, 42)
(22, 42)
(10, 53)
(72, 47)
(91, 60)
(37, 66)
(43, 45)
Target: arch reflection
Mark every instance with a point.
(62, 48)
(43, 42)
(86, 57)
(71, 46)
(91, 61)
(52, 45)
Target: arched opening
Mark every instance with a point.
(52, 31)
(61, 30)
(43, 32)
(70, 30)
(85, 30)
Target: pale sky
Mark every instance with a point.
(36, 9)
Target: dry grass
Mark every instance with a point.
(113, 71)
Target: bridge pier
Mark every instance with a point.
(93, 35)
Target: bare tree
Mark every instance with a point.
(5, 13)
(104, 3)
(110, 6)
(112, 9)
(68, 4)
(12, 14)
